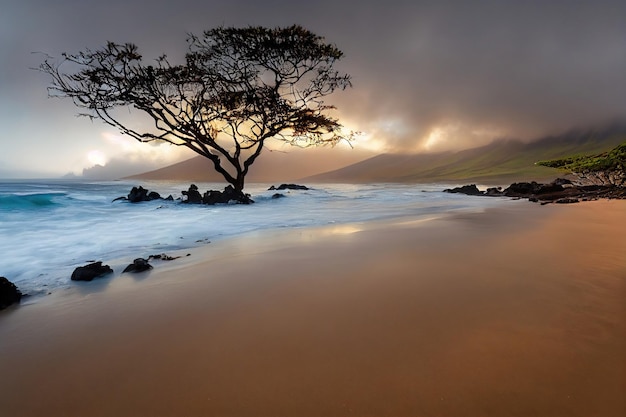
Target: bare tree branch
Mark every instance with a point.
(237, 88)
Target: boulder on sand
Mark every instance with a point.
(138, 265)
(91, 271)
(9, 294)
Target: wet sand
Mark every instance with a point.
(519, 311)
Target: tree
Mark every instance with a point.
(238, 89)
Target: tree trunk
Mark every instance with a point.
(239, 182)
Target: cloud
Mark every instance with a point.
(116, 169)
(514, 69)
(120, 156)
(427, 75)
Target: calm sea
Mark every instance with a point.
(48, 228)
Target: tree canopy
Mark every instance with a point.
(237, 89)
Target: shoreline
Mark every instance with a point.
(516, 310)
(192, 254)
(70, 226)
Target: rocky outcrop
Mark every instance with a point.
(615, 177)
(91, 271)
(139, 194)
(138, 265)
(494, 192)
(288, 187)
(192, 195)
(9, 294)
(212, 197)
(561, 191)
(227, 196)
(471, 189)
(524, 189)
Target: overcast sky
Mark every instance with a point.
(427, 75)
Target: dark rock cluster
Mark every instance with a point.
(471, 189)
(140, 194)
(211, 197)
(288, 187)
(190, 196)
(96, 270)
(561, 191)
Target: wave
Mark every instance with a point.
(29, 201)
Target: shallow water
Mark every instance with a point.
(48, 228)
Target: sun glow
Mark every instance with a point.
(122, 147)
(436, 136)
(97, 157)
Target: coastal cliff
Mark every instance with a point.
(616, 177)
(605, 169)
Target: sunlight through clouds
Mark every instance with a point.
(122, 147)
(97, 157)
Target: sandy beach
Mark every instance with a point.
(517, 311)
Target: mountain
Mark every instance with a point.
(501, 161)
(271, 166)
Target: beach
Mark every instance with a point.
(514, 311)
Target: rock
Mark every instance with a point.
(138, 265)
(288, 187)
(549, 188)
(494, 192)
(466, 189)
(91, 271)
(613, 177)
(193, 195)
(561, 191)
(562, 181)
(139, 194)
(212, 197)
(521, 189)
(527, 189)
(229, 194)
(278, 195)
(163, 257)
(9, 294)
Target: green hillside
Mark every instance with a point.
(499, 162)
(606, 161)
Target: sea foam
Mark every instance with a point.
(48, 228)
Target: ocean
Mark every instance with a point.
(49, 227)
